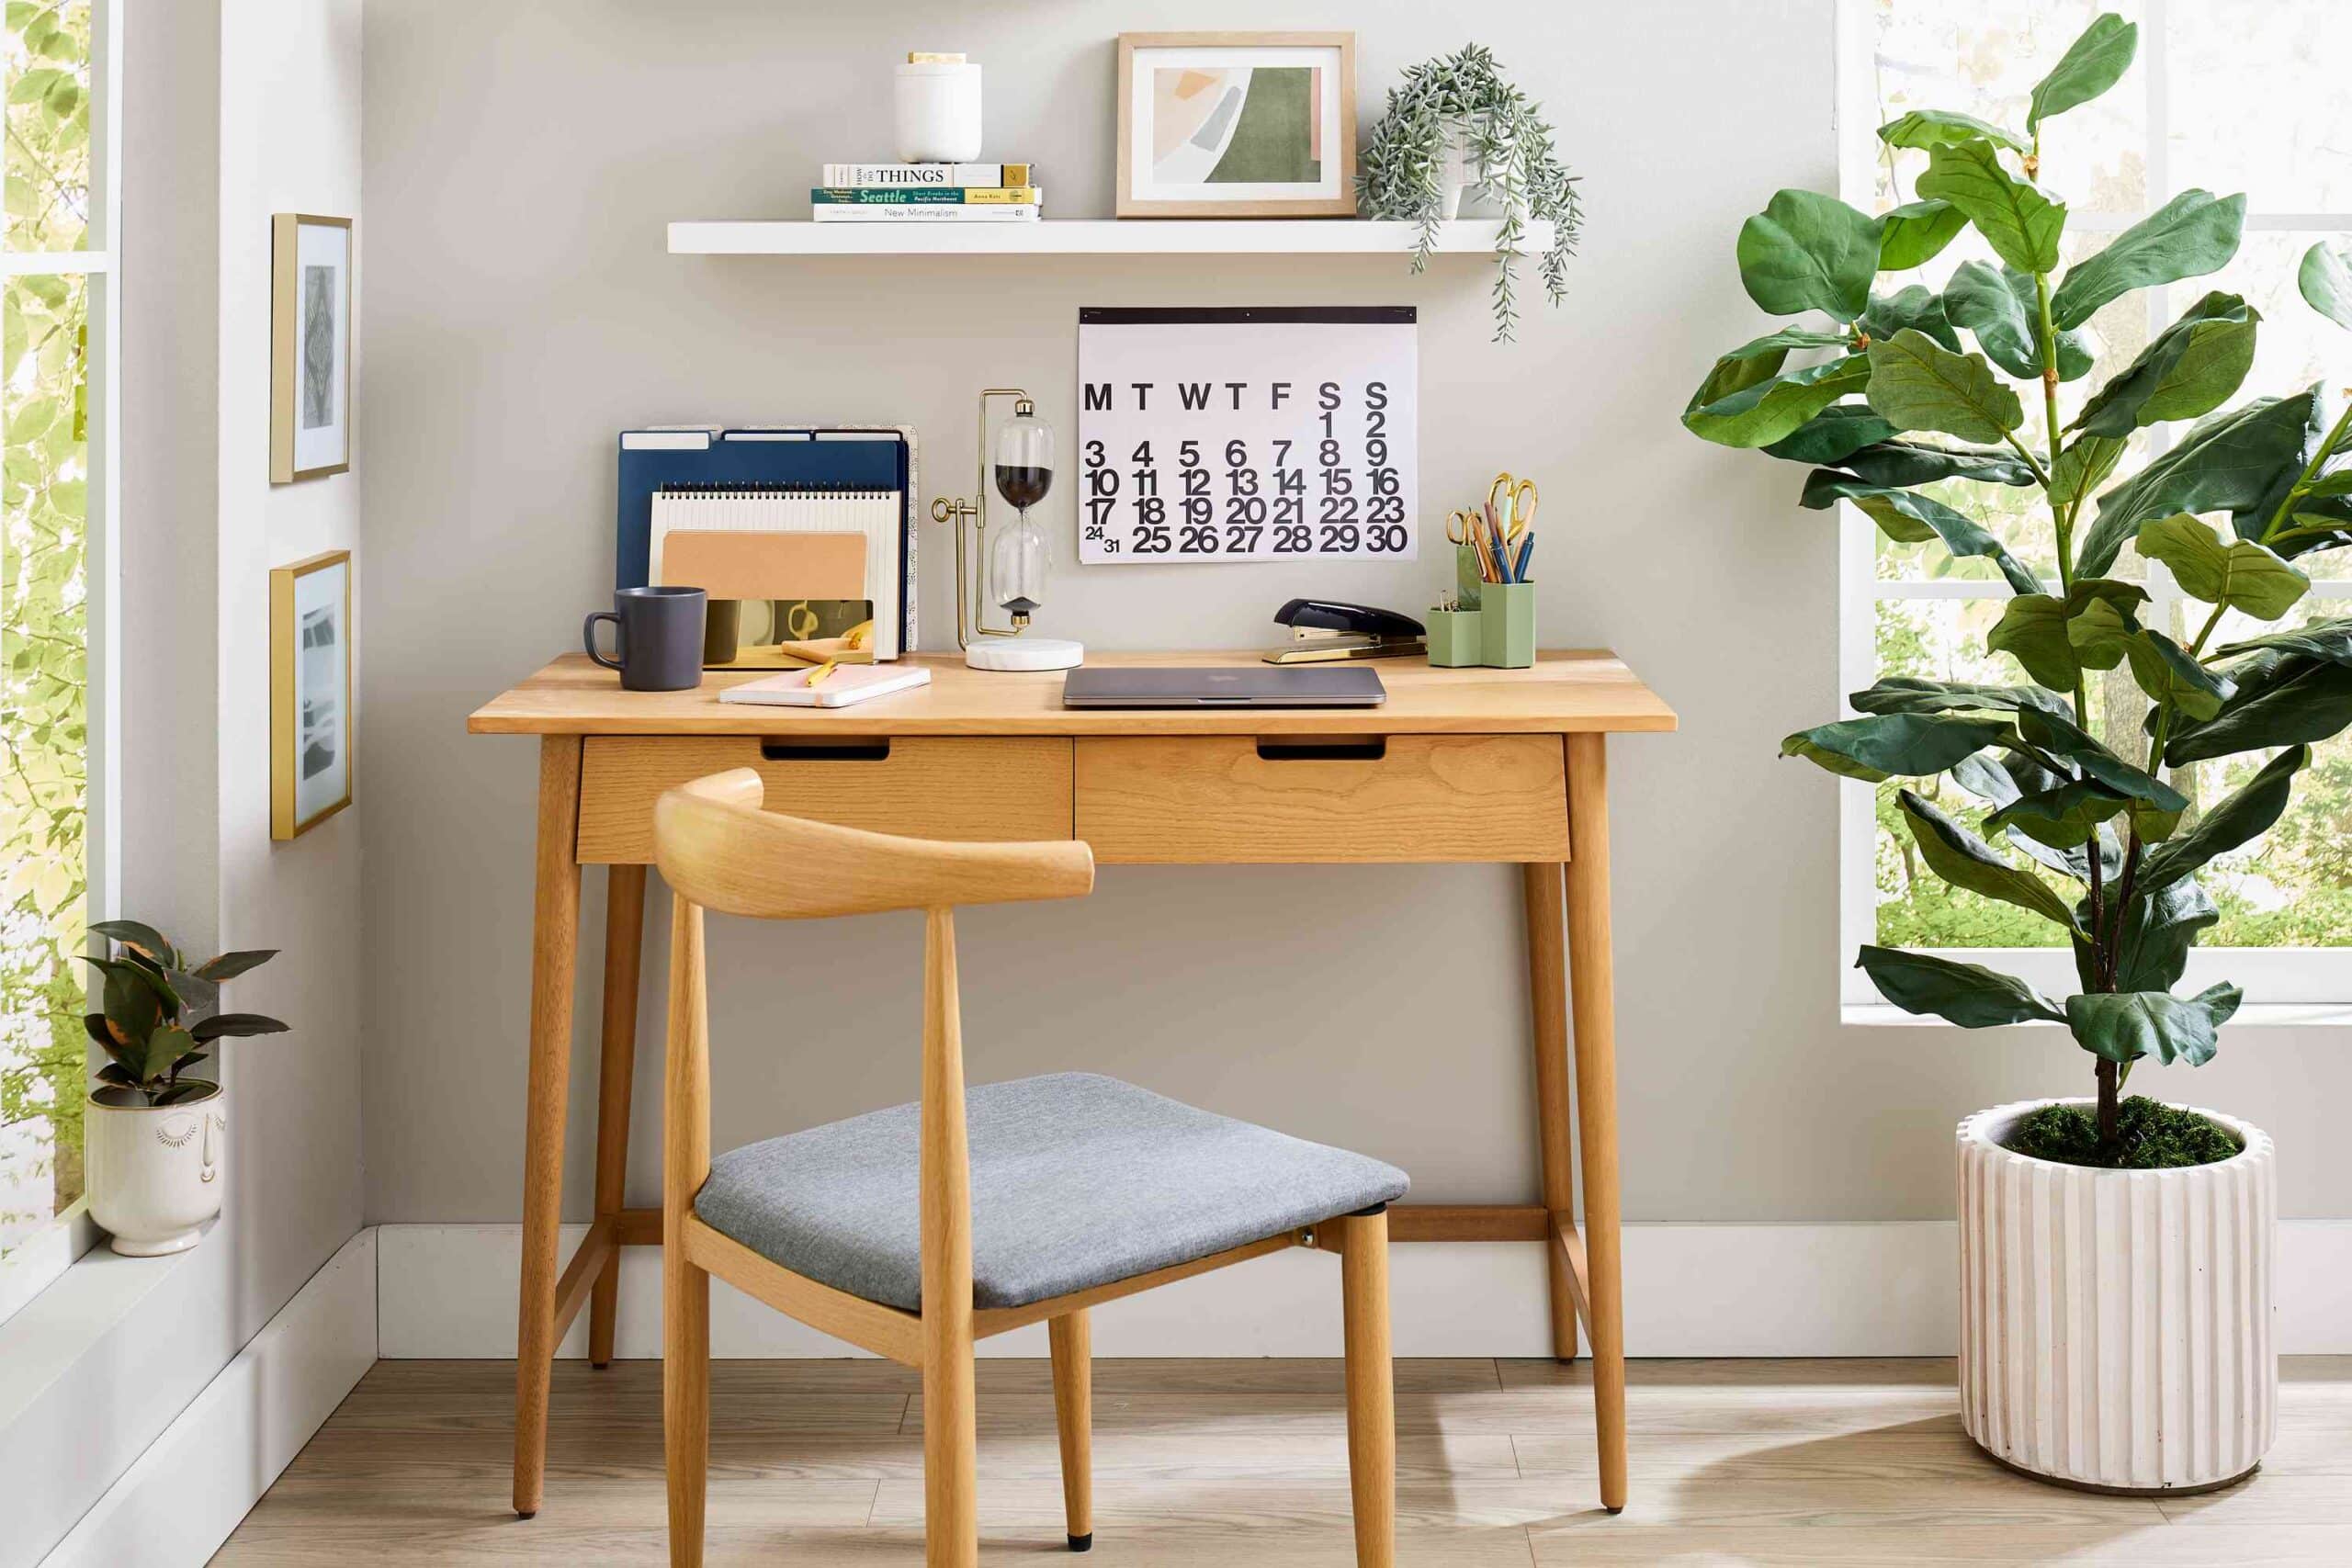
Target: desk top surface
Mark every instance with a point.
(1565, 692)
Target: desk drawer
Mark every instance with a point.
(1236, 798)
(1009, 788)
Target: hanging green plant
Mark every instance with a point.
(1455, 125)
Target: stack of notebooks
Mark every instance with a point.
(926, 193)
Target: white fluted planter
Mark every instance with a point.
(2115, 1324)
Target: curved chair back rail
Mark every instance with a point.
(715, 845)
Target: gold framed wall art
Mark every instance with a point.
(310, 346)
(311, 729)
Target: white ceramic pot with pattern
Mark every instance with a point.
(2116, 1326)
(155, 1170)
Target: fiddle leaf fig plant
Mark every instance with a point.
(1463, 98)
(1910, 386)
(149, 994)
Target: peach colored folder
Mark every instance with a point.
(758, 564)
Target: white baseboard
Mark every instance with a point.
(180, 1499)
(1690, 1290)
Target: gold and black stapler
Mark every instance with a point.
(1323, 630)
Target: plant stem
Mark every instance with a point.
(2301, 485)
(2109, 1114)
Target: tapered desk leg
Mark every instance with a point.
(555, 939)
(1548, 985)
(1592, 995)
(617, 1073)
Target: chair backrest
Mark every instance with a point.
(716, 846)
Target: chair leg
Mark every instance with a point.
(1073, 1349)
(951, 1527)
(685, 1398)
(1372, 1392)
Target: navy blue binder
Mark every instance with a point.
(753, 457)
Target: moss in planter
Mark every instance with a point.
(2153, 1136)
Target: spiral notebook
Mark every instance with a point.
(788, 524)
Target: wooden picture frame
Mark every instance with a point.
(1157, 187)
(310, 345)
(312, 725)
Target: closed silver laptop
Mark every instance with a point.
(1216, 686)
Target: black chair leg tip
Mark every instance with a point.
(1083, 1542)
(599, 1366)
(1615, 1511)
(526, 1513)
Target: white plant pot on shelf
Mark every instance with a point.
(154, 1171)
(2115, 1324)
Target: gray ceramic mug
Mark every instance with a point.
(657, 635)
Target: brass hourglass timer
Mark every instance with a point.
(1013, 567)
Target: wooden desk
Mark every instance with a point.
(1458, 766)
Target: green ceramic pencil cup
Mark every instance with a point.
(1454, 638)
(1506, 626)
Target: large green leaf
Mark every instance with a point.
(2325, 279)
(239, 1024)
(2082, 468)
(1833, 434)
(1916, 234)
(2151, 950)
(1908, 517)
(2063, 818)
(2093, 63)
(2170, 674)
(2294, 701)
(2060, 737)
(2194, 233)
(2329, 642)
(1761, 414)
(2225, 463)
(1809, 251)
(1966, 994)
(1920, 385)
(1759, 359)
(1937, 127)
(1881, 746)
(2126, 1025)
(1902, 462)
(1998, 306)
(2037, 630)
(2191, 371)
(1965, 860)
(1916, 309)
(2102, 630)
(1912, 693)
(2241, 574)
(229, 966)
(2243, 817)
(137, 937)
(164, 1048)
(2020, 223)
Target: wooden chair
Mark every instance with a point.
(1088, 1189)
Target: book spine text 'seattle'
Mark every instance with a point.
(925, 212)
(927, 196)
(927, 173)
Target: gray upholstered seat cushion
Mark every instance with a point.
(1077, 1180)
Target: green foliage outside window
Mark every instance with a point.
(44, 385)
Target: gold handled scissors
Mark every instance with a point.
(1511, 507)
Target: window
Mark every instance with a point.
(2227, 94)
(57, 320)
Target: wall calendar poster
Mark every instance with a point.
(1242, 434)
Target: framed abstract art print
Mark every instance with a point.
(1236, 125)
(310, 346)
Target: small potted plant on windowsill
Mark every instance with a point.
(2116, 1254)
(156, 1138)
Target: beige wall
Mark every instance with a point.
(521, 163)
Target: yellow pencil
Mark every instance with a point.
(821, 672)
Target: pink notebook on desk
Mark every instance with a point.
(846, 686)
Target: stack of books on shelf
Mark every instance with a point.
(926, 193)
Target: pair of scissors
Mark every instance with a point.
(1511, 507)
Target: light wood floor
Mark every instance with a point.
(1207, 1464)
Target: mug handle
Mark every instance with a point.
(588, 636)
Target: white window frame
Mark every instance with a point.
(2300, 979)
(33, 1266)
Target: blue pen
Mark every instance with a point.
(1526, 554)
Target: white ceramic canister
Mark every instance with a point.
(939, 112)
(155, 1170)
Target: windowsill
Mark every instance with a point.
(71, 1316)
(2253, 1015)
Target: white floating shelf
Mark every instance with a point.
(1091, 236)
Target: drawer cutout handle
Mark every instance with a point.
(1323, 748)
(792, 749)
